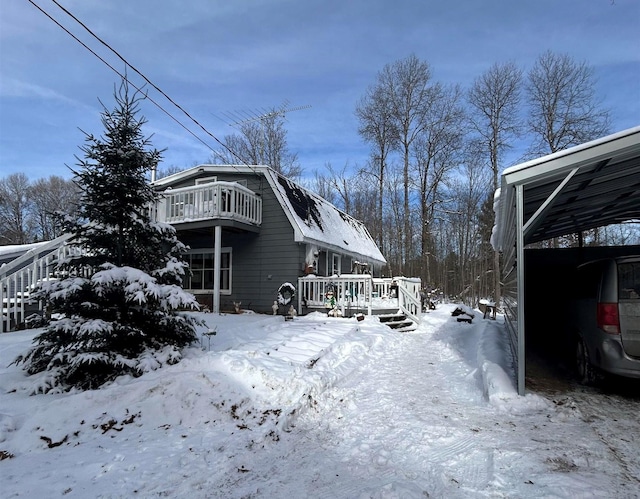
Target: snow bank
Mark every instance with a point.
(498, 374)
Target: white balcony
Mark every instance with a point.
(212, 201)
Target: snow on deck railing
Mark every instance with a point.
(351, 293)
(19, 277)
(215, 200)
(382, 287)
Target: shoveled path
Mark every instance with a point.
(417, 423)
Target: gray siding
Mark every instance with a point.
(261, 261)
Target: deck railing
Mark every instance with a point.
(409, 299)
(354, 293)
(215, 200)
(351, 293)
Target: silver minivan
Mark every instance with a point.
(605, 312)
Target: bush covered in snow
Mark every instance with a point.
(120, 296)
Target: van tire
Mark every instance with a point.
(584, 369)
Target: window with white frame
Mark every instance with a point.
(336, 266)
(206, 180)
(201, 266)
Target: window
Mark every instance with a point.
(205, 180)
(201, 265)
(629, 281)
(336, 267)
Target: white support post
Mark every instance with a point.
(521, 276)
(4, 320)
(217, 261)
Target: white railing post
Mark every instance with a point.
(409, 297)
(4, 296)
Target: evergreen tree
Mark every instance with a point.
(120, 298)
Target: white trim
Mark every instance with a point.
(206, 180)
(217, 251)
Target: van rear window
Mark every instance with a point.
(629, 281)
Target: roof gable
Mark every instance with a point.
(313, 219)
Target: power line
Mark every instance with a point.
(144, 77)
(132, 84)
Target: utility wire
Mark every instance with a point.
(132, 84)
(117, 54)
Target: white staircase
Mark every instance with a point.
(19, 277)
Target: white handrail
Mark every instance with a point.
(409, 299)
(19, 262)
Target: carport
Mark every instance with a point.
(591, 185)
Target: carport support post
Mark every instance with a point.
(521, 276)
(217, 259)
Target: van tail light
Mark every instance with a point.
(608, 318)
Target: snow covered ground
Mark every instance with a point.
(319, 407)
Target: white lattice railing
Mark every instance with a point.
(215, 200)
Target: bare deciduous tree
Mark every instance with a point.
(407, 87)
(263, 141)
(377, 127)
(436, 152)
(467, 190)
(495, 99)
(563, 109)
(170, 170)
(322, 184)
(51, 196)
(15, 205)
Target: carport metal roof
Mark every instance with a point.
(590, 185)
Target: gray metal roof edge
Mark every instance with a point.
(556, 164)
(570, 158)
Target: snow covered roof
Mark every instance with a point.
(314, 220)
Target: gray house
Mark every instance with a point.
(250, 230)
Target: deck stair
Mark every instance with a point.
(398, 322)
(20, 276)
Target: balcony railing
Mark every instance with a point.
(216, 200)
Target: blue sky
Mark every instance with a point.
(220, 58)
